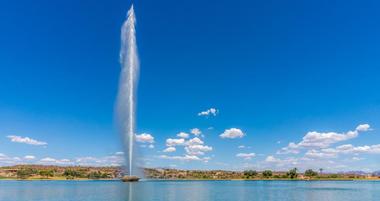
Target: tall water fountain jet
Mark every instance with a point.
(126, 100)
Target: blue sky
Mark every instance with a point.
(274, 70)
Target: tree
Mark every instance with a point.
(71, 174)
(320, 170)
(292, 173)
(24, 173)
(46, 173)
(310, 173)
(250, 173)
(267, 173)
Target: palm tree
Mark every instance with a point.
(320, 170)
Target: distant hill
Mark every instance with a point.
(376, 173)
(358, 172)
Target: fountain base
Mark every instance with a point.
(130, 179)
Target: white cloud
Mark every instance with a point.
(271, 159)
(350, 149)
(315, 140)
(6, 160)
(111, 160)
(197, 149)
(151, 146)
(282, 163)
(185, 158)
(194, 141)
(241, 147)
(25, 140)
(195, 131)
(174, 142)
(48, 159)
(119, 153)
(292, 148)
(363, 127)
(29, 157)
(181, 158)
(209, 112)
(170, 149)
(183, 135)
(145, 138)
(232, 133)
(357, 158)
(246, 156)
(321, 155)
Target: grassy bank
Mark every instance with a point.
(38, 172)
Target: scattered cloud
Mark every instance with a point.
(271, 159)
(53, 161)
(194, 141)
(111, 160)
(170, 149)
(25, 140)
(241, 147)
(286, 163)
(29, 157)
(196, 131)
(193, 147)
(357, 158)
(317, 154)
(145, 138)
(175, 142)
(183, 135)
(185, 158)
(48, 159)
(209, 112)
(119, 153)
(363, 127)
(232, 133)
(350, 149)
(246, 156)
(315, 140)
(197, 149)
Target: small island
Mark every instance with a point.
(41, 172)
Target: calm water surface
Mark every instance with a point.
(190, 191)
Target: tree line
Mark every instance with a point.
(291, 174)
(25, 173)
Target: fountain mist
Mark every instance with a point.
(128, 86)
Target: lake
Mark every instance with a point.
(190, 191)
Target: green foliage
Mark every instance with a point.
(98, 175)
(292, 173)
(267, 173)
(250, 173)
(25, 173)
(71, 174)
(46, 173)
(311, 173)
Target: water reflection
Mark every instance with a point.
(187, 191)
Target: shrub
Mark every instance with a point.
(267, 173)
(310, 173)
(250, 173)
(25, 173)
(292, 173)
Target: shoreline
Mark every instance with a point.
(82, 179)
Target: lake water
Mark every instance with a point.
(190, 191)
